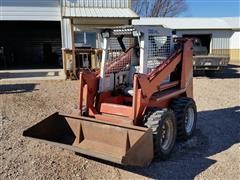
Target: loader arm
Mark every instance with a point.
(118, 64)
(152, 82)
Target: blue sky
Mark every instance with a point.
(212, 8)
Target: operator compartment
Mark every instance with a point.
(121, 62)
(129, 50)
(125, 54)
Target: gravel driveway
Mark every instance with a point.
(213, 153)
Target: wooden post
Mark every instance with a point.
(64, 62)
(94, 60)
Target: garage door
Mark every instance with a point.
(30, 44)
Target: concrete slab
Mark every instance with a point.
(32, 74)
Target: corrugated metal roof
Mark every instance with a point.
(99, 12)
(97, 3)
(233, 22)
(192, 23)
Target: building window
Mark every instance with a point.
(85, 39)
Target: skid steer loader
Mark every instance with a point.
(132, 108)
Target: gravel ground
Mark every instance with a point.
(212, 153)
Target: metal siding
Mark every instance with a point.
(221, 39)
(40, 10)
(98, 8)
(235, 40)
(97, 3)
(66, 34)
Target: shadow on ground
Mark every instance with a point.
(230, 72)
(217, 130)
(17, 88)
(10, 75)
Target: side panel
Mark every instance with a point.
(25, 10)
(235, 47)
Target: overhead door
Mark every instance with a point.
(26, 44)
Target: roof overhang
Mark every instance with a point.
(99, 12)
(192, 23)
(100, 21)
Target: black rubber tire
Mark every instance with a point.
(180, 107)
(155, 119)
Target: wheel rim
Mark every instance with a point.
(189, 120)
(167, 134)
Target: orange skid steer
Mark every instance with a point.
(132, 108)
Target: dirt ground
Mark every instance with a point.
(213, 152)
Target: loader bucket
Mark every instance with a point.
(123, 144)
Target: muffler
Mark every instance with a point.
(123, 144)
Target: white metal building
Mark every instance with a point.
(220, 35)
(34, 32)
(37, 32)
